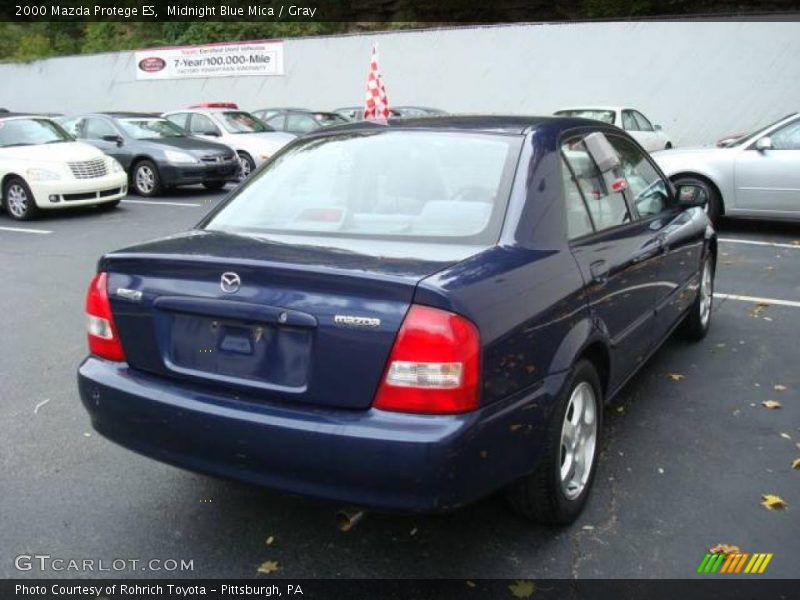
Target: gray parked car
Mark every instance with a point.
(756, 175)
(156, 153)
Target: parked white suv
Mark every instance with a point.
(223, 122)
(43, 167)
(651, 137)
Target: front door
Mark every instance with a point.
(768, 181)
(619, 258)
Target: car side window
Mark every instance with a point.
(649, 192)
(628, 121)
(642, 122)
(300, 123)
(579, 223)
(277, 122)
(604, 196)
(202, 125)
(95, 129)
(787, 137)
(179, 119)
(72, 127)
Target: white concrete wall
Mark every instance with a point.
(699, 80)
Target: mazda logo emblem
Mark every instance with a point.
(230, 282)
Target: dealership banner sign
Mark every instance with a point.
(212, 60)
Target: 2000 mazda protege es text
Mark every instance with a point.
(406, 316)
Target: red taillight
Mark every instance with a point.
(215, 105)
(434, 366)
(102, 333)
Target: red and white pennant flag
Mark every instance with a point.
(376, 107)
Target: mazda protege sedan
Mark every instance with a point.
(407, 316)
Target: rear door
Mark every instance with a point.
(768, 181)
(619, 256)
(639, 131)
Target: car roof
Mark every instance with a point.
(476, 123)
(592, 107)
(17, 115)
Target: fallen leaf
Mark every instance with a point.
(796, 464)
(773, 404)
(621, 409)
(522, 588)
(413, 531)
(676, 376)
(516, 427)
(758, 309)
(779, 388)
(772, 502)
(270, 539)
(470, 583)
(786, 436)
(268, 567)
(725, 549)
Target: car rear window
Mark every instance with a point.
(424, 185)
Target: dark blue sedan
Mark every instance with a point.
(407, 316)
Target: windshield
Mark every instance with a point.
(747, 138)
(606, 116)
(426, 186)
(144, 128)
(29, 132)
(242, 122)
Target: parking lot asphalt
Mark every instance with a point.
(689, 449)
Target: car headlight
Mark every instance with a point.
(42, 175)
(174, 156)
(115, 166)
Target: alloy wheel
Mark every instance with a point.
(145, 179)
(578, 440)
(17, 200)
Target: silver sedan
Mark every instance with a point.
(758, 175)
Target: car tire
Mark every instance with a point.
(214, 186)
(146, 179)
(18, 200)
(698, 320)
(247, 163)
(554, 494)
(714, 206)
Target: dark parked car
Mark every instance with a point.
(407, 317)
(156, 153)
(418, 111)
(298, 121)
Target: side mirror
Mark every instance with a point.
(690, 195)
(116, 139)
(764, 143)
(657, 127)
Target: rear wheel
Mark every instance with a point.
(214, 185)
(714, 206)
(18, 200)
(698, 320)
(146, 179)
(556, 492)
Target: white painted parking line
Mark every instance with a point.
(757, 300)
(162, 202)
(757, 243)
(24, 230)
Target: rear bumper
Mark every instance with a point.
(189, 174)
(366, 458)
